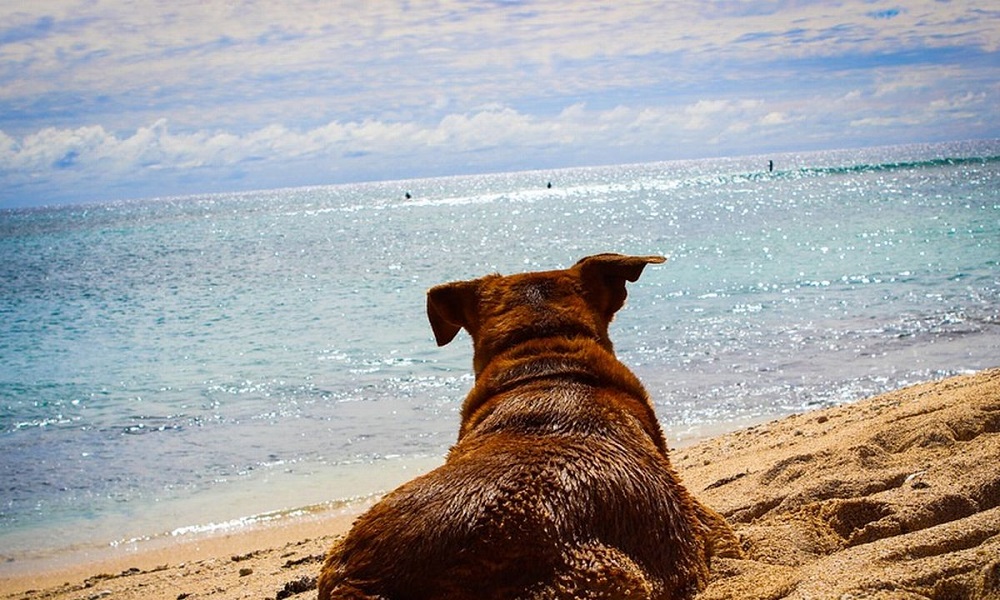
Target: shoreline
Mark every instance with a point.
(157, 554)
(151, 554)
(838, 497)
(43, 564)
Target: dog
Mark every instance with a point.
(559, 485)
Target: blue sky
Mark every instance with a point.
(108, 99)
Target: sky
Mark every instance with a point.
(117, 99)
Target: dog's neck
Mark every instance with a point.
(556, 360)
(522, 372)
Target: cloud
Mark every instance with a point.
(241, 53)
(710, 114)
(156, 147)
(878, 122)
(774, 118)
(143, 96)
(894, 81)
(966, 101)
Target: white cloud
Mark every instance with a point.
(883, 122)
(313, 48)
(52, 147)
(895, 81)
(95, 150)
(87, 89)
(727, 115)
(775, 118)
(962, 101)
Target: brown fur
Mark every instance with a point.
(559, 485)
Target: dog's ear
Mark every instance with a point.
(450, 307)
(604, 277)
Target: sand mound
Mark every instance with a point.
(897, 496)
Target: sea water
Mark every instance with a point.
(181, 365)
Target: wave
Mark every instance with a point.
(910, 165)
(668, 180)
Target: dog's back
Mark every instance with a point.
(559, 485)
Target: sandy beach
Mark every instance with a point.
(893, 497)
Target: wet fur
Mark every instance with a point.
(559, 485)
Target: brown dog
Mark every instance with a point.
(559, 485)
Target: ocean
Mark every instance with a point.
(180, 366)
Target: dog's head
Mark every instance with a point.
(500, 312)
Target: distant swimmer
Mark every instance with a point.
(770, 166)
(549, 185)
(408, 196)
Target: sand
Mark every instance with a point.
(894, 497)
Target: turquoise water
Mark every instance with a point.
(170, 365)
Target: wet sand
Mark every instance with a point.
(893, 497)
